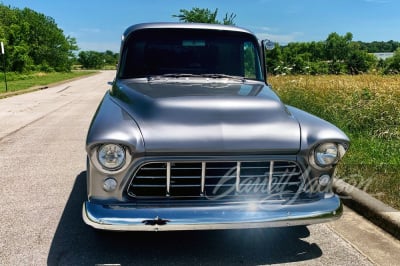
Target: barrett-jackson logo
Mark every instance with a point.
(267, 191)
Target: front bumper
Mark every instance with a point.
(246, 215)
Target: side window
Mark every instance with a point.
(250, 60)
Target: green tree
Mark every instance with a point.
(204, 15)
(393, 63)
(380, 47)
(110, 58)
(97, 60)
(34, 42)
(337, 49)
(358, 61)
(338, 54)
(91, 59)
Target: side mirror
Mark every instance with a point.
(268, 44)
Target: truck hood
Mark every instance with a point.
(208, 117)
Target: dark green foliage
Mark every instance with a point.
(392, 65)
(33, 41)
(380, 47)
(358, 61)
(97, 60)
(110, 58)
(204, 15)
(336, 55)
(90, 59)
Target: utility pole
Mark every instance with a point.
(4, 60)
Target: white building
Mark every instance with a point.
(383, 56)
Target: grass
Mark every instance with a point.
(21, 82)
(367, 109)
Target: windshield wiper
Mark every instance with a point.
(189, 75)
(217, 76)
(172, 75)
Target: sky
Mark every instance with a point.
(98, 24)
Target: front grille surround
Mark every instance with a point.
(272, 180)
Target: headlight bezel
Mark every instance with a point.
(109, 154)
(97, 161)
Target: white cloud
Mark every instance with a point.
(99, 46)
(280, 38)
(263, 28)
(275, 34)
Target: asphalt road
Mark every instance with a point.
(42, 183)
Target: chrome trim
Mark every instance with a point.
(168, 178)
(203, 178)
(131, 218)
(271, 174)
(238, 176)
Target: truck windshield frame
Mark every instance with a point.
(154, 52)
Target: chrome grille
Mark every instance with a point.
(217, 180)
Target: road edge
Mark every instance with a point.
(369, 207)
(43, 87)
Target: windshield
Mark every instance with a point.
(154, 52)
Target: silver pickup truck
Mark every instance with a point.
(191, 136)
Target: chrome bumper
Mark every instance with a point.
(251, 215)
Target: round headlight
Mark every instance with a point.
(326, 154)
(111, 156)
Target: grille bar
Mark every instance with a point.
(238, 176)
(271, 175)
(203, 178)
(168, 178)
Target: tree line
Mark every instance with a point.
(336, 55)
(34, 42)
(97, 60)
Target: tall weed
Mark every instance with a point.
(364, 104)
(365, 107)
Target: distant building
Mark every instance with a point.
(383, 56)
